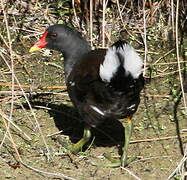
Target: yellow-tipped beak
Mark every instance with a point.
(34, 48)
(41, 43)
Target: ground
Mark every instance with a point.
(39, 118)
(57, 118)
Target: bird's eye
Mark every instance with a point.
(54, 35)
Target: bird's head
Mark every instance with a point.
(57, 37)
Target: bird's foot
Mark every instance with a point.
(114, 162)
(75, 148)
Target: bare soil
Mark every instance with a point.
(153, 120)
(160, 114)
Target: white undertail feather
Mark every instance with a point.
(109, 66)
(132, 62)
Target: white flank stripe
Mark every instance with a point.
(97, 110)
(132, 106)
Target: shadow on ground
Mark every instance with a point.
(68, 120)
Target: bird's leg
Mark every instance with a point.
(78, 146)
(128, 131)
(124, 161)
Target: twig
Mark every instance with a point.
(131, 173)
(31, 87)
(48, 173)
(180, 168)
(4, 137)
(10, 138)
(104, 22)
(7, 125)
(148, 52)
(120, 14)
(183, 130)
(172, 18)
(124, 25)
(169, 63)
(178, 59)
(4, 116)
(59, 132)
(91, 22)
(30, 107)
(164, 74)
(157, 95)
(75, 14)
(145, 39)
(28, 94)
(164, 56)
(149, 158)
(156, 139)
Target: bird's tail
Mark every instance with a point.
(122, 65)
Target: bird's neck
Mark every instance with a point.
(72, 55)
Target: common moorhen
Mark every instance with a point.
(103, 83)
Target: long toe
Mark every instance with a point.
(127, 161)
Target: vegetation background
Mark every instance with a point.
(36, 113)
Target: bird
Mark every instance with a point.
(102, 84)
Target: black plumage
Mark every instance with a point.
(86, 88)
(102, 84)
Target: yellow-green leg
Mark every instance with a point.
(78, 146)
(128, 132)
(124, 161)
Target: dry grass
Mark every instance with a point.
(149, 29)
